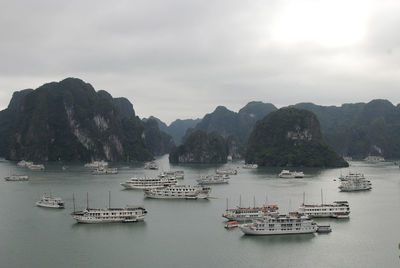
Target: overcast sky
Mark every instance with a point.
(180, 59)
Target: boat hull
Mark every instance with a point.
(39, 204)
(92, 220)
(188, 197)
(130, 187)
(355, 190)
(249, 231)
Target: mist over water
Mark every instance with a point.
(190, 233)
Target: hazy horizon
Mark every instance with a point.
(180, 59)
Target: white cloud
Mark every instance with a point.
(179, 59)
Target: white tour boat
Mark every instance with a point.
(177, 174)
(149, 183)
(151, 165)
(36, 167)
(109, 215)
(24, 163)
(338, 209)
(250, 166)
(96, 164)
(16, 177)
(290, 174)
(358, 184)
(374, 159)
(213, 179)
(245, 214)
(104, 171)
(179, 192)
(227, 171)
(49, 201)
(351, 176)
(292, 223)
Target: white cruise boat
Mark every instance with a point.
(149, 183)
(49, 201)
(374, 159)
(351, 176)
(96, 164)
(359, 184)
(338, 209)
(110, 215)
(16, 177)
(179, 192)
(250, 166)
(213, 179)
(177, 174)
(226, 171)
(104, 171)
(36, 167)
(24, 163)
(290, 174)
(151, 165)
(292, 223)
(246, 214)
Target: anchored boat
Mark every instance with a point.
(149, 183)
(109, 215)
(50, 201)
(213, 179)
(179, 192)
(292, 223)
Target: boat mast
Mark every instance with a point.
(87, 200)
(227, 203)
(73, 200)
(254, 201)
(322, 198)
(304, 198)
(266, 199)
(240, 201)
(109, 199)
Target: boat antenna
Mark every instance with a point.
(109, 199)
(87, 200)
(73, 200)
(322, 198)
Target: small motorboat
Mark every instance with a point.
(231, 224)
(324, 229)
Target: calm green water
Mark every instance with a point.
(190, 233)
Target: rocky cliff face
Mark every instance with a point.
(227, 122)
(234, 147)
(290, 137)
(69, 120)
(200, 147)
(157, 141)
(360, 129)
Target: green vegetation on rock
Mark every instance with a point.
(227, 122)
(69, 121)
(360, 129)
(290, 137)
(200, 147)
(157, 141)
